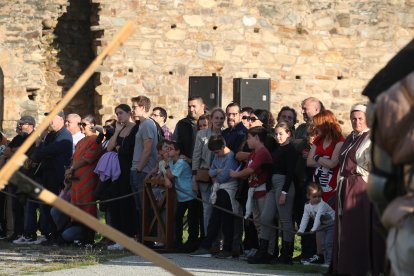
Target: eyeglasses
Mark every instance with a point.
(82, 124)
(252, 119)
(22, 124)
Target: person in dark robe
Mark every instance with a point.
(358, 248)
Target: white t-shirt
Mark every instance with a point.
(316, 212)
(76, 138)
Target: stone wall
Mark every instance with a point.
(44, 47)
(326, 49)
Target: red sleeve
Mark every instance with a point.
(93, 152)
(259, 158)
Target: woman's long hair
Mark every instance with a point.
(265, 117)
(328, 126)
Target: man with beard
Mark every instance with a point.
(234, 136)
(186, 129)
(235, 132)
(185, 133)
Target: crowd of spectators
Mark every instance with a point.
(284, 180)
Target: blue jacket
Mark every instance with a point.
(235, 136)
(54, 154)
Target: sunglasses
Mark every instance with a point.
(245, 117)
(82, 124)
(252, 119)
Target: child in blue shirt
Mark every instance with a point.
(179, 173)
(223, 195)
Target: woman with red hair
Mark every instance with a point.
(324, 153)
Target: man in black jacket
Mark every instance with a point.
(186, 129)
(185, 134)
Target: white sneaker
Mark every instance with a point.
(40, 239)
(24, 240)
(115, 246)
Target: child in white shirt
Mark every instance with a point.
(323, 216)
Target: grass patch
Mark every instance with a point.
(28, 259)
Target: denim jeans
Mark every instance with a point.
(137, 185)
(325, 237)
(30, 219)
(73, 233)
(220, 221)
(47, 223)
(60, 219)
(205, 191)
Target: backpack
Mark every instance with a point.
(160, 131)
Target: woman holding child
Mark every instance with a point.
(324, 153)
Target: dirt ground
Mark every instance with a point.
(26, 259)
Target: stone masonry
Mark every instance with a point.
(325, 49)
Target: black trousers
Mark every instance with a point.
(192, 218)
(220, 220)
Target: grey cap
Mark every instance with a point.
(27, 120)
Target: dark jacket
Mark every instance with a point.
(235, 137)
(185, 133)
(54, 154)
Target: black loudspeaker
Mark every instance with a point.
(208, 88)
(252, 92)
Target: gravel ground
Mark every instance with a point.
(135, 265)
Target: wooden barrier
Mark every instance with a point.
(158, 216)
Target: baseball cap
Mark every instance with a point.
(27, 120)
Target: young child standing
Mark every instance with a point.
(179, 173)
(257, 175)
(223, 195)
(323, 216)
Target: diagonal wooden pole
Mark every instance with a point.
(29, 186)
(16, 161)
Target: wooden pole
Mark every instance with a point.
(16, 161)
(93, 223)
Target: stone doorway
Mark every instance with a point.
(74, 42)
